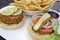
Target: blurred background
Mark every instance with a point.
(6, 2)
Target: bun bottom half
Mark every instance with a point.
(35, 35)
(13, 26)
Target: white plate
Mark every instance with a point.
(20, 33)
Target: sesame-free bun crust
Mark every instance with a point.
(13, 26)
(35, 35)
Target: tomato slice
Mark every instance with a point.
(46, 31)
(35, 20)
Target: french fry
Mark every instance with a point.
(32, 8)
(23, 0)
(29, 1)
(16, 1)
(11, 4)
(40, 1)
(33, 5)
(26, 3)
(36, 7)
(47, 2)
(47, 6)
(26, 7)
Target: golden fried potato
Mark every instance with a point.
(23, 0)
(33, 4)
(47, 2)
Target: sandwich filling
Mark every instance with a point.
(46, 26)
(12, 15)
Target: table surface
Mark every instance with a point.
(6, 2)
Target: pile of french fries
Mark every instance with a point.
(33, 5)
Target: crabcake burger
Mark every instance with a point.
(11, 17)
